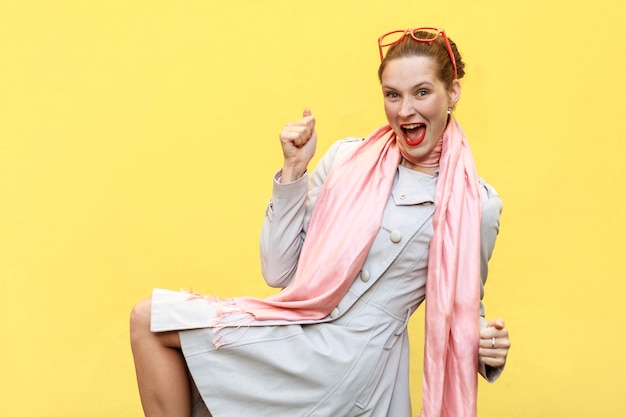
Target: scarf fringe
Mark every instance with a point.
(228, 317)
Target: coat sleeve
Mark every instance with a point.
(282, 235)
(287, 217)
(490, 226)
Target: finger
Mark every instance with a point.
(489, 332)
(494, 361)
(492, 353)
(297, 136)
(309, 119)
(497, 323)
(307, 122)
(488, 342)
(300, 122)
(495, 344)
(294, 138)
(500, 350)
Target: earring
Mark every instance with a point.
(449, 110)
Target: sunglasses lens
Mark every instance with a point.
(425, 34)
(392, 38)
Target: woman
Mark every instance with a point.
(352, 247)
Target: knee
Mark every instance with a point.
(140, 319)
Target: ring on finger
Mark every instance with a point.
(493, 342)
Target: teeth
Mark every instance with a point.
(413, 126)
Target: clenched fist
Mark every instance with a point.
(298, 140)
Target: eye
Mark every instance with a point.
(422, 93)
(391, 94)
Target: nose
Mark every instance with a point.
(406, 108)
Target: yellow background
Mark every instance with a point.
(138, 140)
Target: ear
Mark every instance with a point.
(454, 93)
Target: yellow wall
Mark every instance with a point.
(138, 140)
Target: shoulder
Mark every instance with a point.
(339, 150)
(492, 203)
(343, 147)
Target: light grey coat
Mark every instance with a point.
(355, 362)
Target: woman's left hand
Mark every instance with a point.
(494, 343)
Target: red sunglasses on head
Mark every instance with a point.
(427, 35)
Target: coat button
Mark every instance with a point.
(334, 314)
(365, 276)
(395, 236)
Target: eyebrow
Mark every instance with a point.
(418, 85)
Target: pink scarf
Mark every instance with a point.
(452, 289)
(327, 267)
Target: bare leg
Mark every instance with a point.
(162, 374)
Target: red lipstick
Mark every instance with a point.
(413, 133)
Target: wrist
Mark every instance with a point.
(291, 174)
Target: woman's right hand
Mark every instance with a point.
(298, 140)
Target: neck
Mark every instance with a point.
(427, 164)
(430, 170)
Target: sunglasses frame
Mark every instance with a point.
(412, 32)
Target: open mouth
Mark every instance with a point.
(414, 133)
